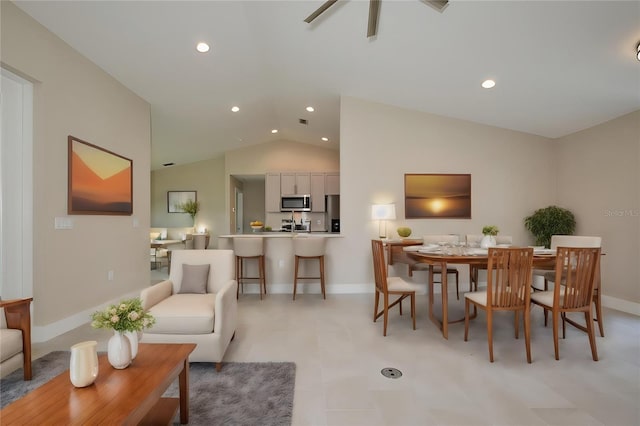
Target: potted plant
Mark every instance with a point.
(489, 239)
(552, 220)
(191, 207)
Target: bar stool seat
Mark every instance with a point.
(309, 248)
(249, 248)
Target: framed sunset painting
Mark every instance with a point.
(437, 196)
(100, 181)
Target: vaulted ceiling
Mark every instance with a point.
(559, 66)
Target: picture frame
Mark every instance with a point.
(100, 182)
(437, 196)
(175, 198)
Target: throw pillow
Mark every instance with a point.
(194, 279)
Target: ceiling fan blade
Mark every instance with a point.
(438, 5)
(374, 13)
(326, 5)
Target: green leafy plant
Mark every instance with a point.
(128, 315)
(190, 206)
(490, 230)
(552, 220)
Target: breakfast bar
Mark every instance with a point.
(279, 258)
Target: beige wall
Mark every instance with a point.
(206, 177)
(72, 96)
(599, 180)
(512, 175)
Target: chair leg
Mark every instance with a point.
(295, 279)
(592, 336)
(546, 313)
(218, 366)
(238, 277)
(375, 305)
(554, 316)
(527, 334)
(324, 294)
(413, 309)
(386, 314)
(490, 333)
(596, 301)
(262, 282)
(516, 322)
(466, 318)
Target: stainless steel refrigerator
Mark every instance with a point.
(332, 215)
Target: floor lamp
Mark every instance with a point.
(382, 213)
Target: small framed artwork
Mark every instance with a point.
(177, 198)
(437, 196)
(100, 181)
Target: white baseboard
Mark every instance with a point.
(44, 333)
(621, 305)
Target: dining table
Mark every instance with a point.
(442, 256)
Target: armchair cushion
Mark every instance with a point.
(184, 314)
(194, 278)
(11, 343)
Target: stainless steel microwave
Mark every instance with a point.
(295, 203)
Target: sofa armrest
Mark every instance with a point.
(18, 316)
(226, 310)
(153, 295)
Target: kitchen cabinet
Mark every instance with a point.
(295, 183)
(332, 183)
(272, 192)
(317, 192)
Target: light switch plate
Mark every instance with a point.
(63, 223)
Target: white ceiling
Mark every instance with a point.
(560, 66)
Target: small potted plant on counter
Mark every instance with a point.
(489, 239)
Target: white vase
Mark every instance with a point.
(488, 241)
(119, 350)
(134, 337)
(83, 366)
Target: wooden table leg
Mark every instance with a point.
(184, 393)
(445, 301)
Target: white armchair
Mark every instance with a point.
(197, 304)
(15, 336)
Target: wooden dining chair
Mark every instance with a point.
(576, 269)
(437, 239)
(508, 289)
(549, 276)
(390, 286)
(473, 240)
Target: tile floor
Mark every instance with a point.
(340, 353)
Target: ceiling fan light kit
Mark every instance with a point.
(374, 12)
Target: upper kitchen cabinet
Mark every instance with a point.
(317, 192)
(332, 183)
(295, 183)
(272, 192)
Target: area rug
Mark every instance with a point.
(242, 393)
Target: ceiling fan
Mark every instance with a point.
(374, 12)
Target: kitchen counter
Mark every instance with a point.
(283, 234)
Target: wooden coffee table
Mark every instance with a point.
(130, 396)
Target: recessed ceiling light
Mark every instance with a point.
(488, 84)
(310, 109)
(274, 131)
(325, 139)
(235, 109)
(202, 47)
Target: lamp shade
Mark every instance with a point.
(383, 211)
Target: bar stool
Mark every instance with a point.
(249, 248)
(307, 248)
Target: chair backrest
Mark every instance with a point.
(309, 246)
(472, 239)
(504, 239)
(509, 277)
(200, 241)
(575, 241)
(442, 238)
(221, 271)
(248, 246)
(576, 270)
(379, 265)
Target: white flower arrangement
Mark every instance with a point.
(127, 315)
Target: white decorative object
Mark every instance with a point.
(83, 366)
(119, 350)
(488, 241)
(134, 337)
